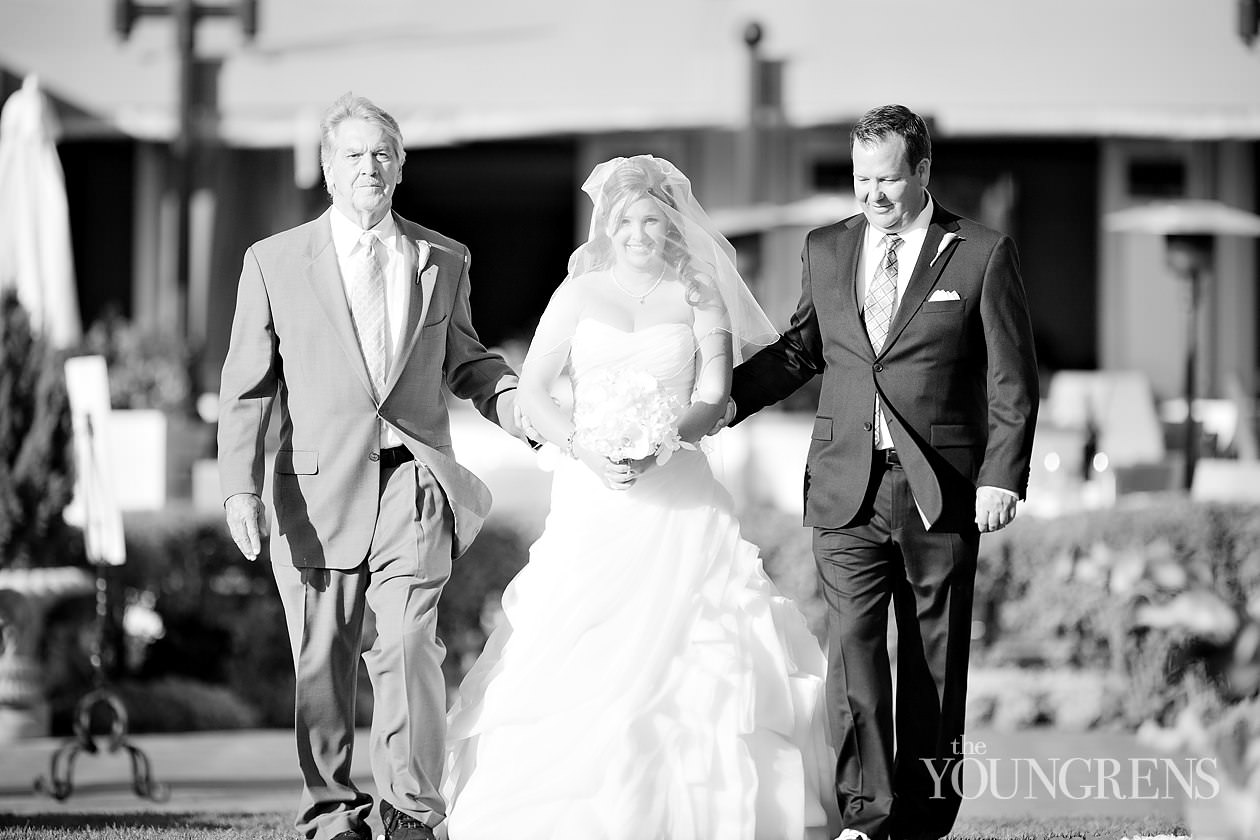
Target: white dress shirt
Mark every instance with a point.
(345, 236)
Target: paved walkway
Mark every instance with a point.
(254, 771)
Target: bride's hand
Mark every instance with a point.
(631, 471)
(615, 475)
(612, 474)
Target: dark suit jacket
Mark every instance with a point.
(293, 343)
(958, 378)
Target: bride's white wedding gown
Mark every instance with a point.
(649, 681)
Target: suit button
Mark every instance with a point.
(867, 427)
(878, 367)
(375, 456)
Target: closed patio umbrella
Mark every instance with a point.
(1189, 228)
(1187, 216)
(35, 255)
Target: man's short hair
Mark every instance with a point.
(351, 107)
(898, 120)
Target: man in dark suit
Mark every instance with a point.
(351, 325)
(917, 320)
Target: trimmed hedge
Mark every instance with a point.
(1162, 595)
(224, 660)
(1143, 607)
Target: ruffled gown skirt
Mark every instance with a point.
(648, 681)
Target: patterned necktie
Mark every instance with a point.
(881, 300)
(881, 295)
(367, 306)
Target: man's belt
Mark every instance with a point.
(393, 456)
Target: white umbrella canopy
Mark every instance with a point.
(1201, 217)
(35, 253)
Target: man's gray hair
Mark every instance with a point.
(351, 107)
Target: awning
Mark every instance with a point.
(454, 72)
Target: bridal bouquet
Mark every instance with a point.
(626, 414)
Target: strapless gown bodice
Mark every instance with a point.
(666, 351)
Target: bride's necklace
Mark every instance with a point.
(641, 298)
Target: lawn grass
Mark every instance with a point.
(279, 826)
(147, 826)
(1084, 828)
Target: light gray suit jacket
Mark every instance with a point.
(294, 344)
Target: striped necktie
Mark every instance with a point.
(367, 306)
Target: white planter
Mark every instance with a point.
(135, 457)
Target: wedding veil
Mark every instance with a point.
(695, 249)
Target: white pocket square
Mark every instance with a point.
(943, 294)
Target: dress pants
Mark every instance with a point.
(400, 580)
(887, 555)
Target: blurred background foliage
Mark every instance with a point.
(36, 458)
(146, 369)
(1107, 619)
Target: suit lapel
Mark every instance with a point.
(418, 297)
(926, 271)
(324, 276)
(848, 249)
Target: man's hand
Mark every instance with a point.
(725, 420)
(994, 509)
(511, 420)
(247, 520)
(531, 434)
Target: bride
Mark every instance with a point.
(648, 680)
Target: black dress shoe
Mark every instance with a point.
(400, 826)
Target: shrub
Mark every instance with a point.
(1157, 594)
(1064, 698)
(787, 554)
(182, 565)
(261, 667)
(36, 456)
(472, 594)
(179, 704)
(1128, 608)
(146, 370)
(225, 641)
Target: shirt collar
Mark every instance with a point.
(345, 233)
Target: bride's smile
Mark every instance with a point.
(638, 237)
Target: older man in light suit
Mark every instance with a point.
(917, 321)
(351, 324)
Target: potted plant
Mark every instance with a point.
(36, 484)
(153, 419)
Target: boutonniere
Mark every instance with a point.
(423, 249)
(945, 241)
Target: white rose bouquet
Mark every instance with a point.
(625, 415)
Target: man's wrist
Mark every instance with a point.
(242, 493)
